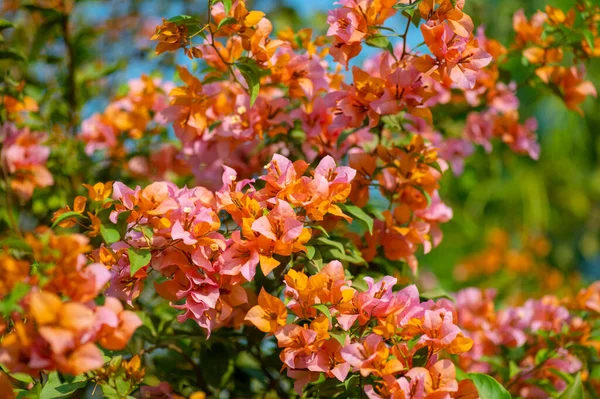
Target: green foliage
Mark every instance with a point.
(488, 387)
(574, 390)
(138, 258)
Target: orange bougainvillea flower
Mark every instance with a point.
(440, 10)
(170, 36)
(99, 191)
(528, 31)
(570, 84)
(270, 313)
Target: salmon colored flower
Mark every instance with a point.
(456, 57)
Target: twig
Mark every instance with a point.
(9, 203)
(70, 94)
(404, 35)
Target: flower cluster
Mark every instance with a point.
(542, 338)
(24, 156)
(54, 323)
(408, 177)
(392, 338)
(135, 117)
(317, 186)
(177, 232)
(542, 40)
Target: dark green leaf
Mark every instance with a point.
(345, 134)
(4, 24)
(331, 243)
(421, 357)
(217, 364)
(122, 222)
(10, 54)
(138, 258)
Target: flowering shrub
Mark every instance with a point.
(255, 227)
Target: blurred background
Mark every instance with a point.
(519, 225)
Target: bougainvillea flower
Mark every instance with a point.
(269, 314)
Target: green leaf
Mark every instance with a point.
(421, 357)
(183, 19)
(227, 6)
(252, 78)
(436, 293)
(345, 134)
(15, 243)
(460, 374)
(574, 390)
(323, 309)
(138, 258)
(321, 229)
(437, 167)
(542, 355)
(317, 261)
(310, 251)
(67, 215)
(513, 369)
(9, 303)
(4, 24)
(110, 234)
(226, 21)
(488, 387)
(378, 41)
(10, 54)
(589, 38)
(425, 194)
(122, 222)
(404, 7)
(339, 337)
(331, 243)
(353, 380)
(217, 364)
(55, 388)
(358, 214)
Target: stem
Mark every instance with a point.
(404, 35)
(9, 203)
(70, 93)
